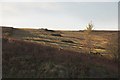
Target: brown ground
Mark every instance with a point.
(56, 54)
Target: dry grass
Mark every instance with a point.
(23, 59)
(99, 39)
(36, 53)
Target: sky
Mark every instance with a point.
(59, 15)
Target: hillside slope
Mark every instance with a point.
(22, 59)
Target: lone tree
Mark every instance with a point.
(88, 39)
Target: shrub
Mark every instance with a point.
(45, 29)
(56, 35)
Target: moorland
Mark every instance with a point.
(44, 53)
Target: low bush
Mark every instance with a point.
(56, 35)
(47, 30)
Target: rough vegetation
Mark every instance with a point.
(23, 59)
(35, 53)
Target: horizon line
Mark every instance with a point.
(63, 29)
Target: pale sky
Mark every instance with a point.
(59, 15)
